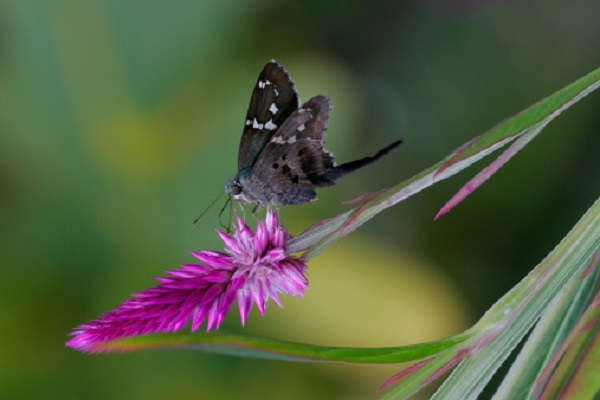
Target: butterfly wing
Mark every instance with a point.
(294, 161)
(273, 100)
(294, 158)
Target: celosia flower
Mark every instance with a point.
(255, 270)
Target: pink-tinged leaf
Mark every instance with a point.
(466, 150)
(573, 371)
(540, 113)
(419, 375)
(404, 373)
(524, 137)
(353, 222)
(593, 265)
(487, 172)
(461, 355)
(365, 197)
(414, 378)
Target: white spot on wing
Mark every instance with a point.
(268, 82)
(277, 139)
(261, 84)
(273, 109)
(270, 125)
(248, 122)
(301, 128)
(256, 125)
(330, 154)
(292, 140)
(276, 92)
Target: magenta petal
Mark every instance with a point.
(271, 219)
(231, 244)
(214, 259)
(198, 319)
(245, 305)
(275, 299)
(261, 239)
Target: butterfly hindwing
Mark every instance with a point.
(273, 100)
(294, 157)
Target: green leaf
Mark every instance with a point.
(575, 367)
(506, 323)
(548, 337)
(246, 346)
(523, 306)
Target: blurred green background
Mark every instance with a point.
(120, 122)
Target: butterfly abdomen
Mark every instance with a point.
(337, 172)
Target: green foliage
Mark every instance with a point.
(120, 121)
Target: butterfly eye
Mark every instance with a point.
(233, 187)
(235, 190)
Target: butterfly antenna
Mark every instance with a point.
(206, 210)
(227, 228)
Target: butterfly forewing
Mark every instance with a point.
(294, 157)
(273, 100)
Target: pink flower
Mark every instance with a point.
(255, 270)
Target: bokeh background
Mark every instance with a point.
(119, 124)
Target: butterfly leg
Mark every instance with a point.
(255, 211)
(228, 227)
(243, 212)
(278, 216)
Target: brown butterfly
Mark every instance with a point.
(281, 159)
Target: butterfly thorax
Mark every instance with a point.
(243, 189)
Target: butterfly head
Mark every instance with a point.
(233, 188)
(239, 186)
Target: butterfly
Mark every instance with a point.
(281, 159)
